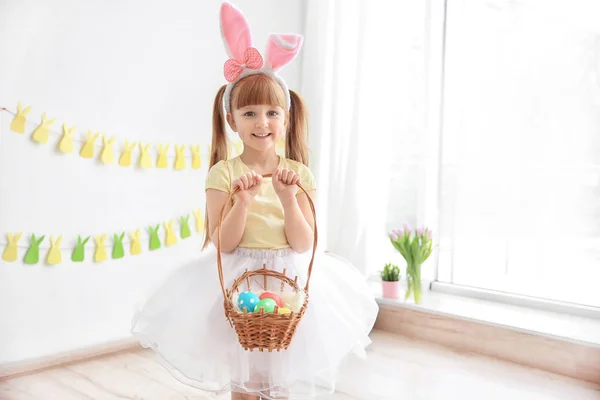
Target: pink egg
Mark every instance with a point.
(273, 296)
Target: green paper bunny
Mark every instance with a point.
(33, 254)
(154, 240)
(118, 251)
(185, 227)
(79, 251)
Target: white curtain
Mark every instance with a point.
(358, 68)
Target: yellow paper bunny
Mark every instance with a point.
(54, 255)
(100, 253)
(162, 161)
(145, 160)
(87, 151)
(11, 252)
(18, 123)
(180, 157)
(125, 159)
(66, 141)
(170, 238)
(196, 161)
(107, 156)
(40, 134)
(136, 244)
(199, 220)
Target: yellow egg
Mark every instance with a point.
(284, 310)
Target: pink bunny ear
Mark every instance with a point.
(235, 31)
(282, 48)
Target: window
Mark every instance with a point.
(520, 150)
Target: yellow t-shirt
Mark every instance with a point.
(264, 224)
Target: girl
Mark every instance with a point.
(269, 221)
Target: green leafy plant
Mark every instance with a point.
(390, 273)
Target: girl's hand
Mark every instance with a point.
(284, 182)
(249, 184)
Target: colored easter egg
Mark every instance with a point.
(284, 310)
(267, 304)
(248, 300)
(270, 295)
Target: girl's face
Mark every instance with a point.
(259, 126)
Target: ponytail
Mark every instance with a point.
(218, 148)
(219, 135)
(296, 143)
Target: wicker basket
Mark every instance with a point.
(262, 330)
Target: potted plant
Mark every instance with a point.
(390, 280)
(415, 248)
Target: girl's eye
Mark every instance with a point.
(273, 113)
(249, 114)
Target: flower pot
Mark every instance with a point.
(391, 290)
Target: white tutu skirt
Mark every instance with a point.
(184, 322)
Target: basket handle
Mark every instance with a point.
(220, 223)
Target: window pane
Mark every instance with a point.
(521, 147)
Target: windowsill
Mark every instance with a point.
(582, 330)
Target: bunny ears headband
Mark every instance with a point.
(246, 60)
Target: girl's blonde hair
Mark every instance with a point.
(259, 89)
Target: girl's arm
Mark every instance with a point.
(299, 222)
(233, 224)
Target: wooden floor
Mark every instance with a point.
(398, 368)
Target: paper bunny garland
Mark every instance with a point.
(246, 60)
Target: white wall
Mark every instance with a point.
(135, 70)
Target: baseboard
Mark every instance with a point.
(34, 365)
(577, 360)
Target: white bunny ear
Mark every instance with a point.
(282, 48)
(235, 31)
